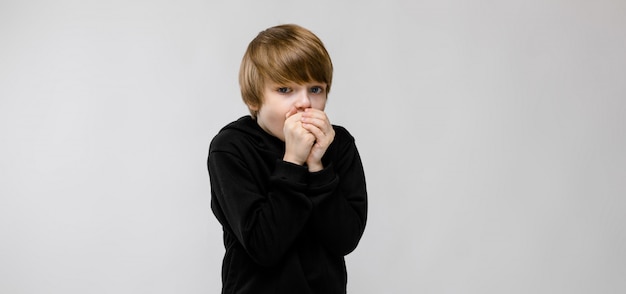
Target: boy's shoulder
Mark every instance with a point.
(342, 133)
(234, 133)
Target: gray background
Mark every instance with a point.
(492, 134)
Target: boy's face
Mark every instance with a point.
(280, 99)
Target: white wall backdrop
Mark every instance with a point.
(493, 135)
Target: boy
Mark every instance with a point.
(286, 185)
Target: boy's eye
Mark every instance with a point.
(317, 90)
(284, 90)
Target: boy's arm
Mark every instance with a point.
(339, 198)
(265, 222)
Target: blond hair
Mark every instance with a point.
(282, 54)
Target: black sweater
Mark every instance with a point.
(286, 230)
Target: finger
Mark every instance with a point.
(291, 112)
(321, 123)
(312, 112)
(316, 114)
(316, 131)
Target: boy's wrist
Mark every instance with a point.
(293, 174)
(315, 166)
(292, 159)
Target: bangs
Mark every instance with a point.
(294, 66)
(285, 57)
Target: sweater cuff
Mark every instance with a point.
(291, 173)
(323, 178)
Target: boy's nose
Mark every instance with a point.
(303, 101)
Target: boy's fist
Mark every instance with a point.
(298, 140)
(316, 122)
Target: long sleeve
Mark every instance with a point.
(266, 218)
(340, 198)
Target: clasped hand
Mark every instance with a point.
(308, 134)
